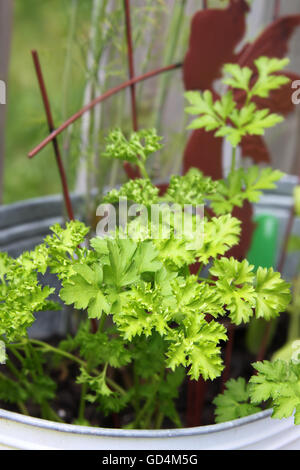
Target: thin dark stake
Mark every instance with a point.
(131, 64)
(51, 126)
(132, 172)
(59, 161)
(98, 100)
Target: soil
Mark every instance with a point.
(67, 399)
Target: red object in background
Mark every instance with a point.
(272, 42)
(245, 215)
(204, 151)
(254, 146)
(280, 100)
(214, 37)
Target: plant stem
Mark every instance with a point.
(50, 348)
(117, 387)
(199, 271)
(20, 405)
(144, 410)
(143, 170)
(77, 360)
(211, 281)
(233, 161)
(15, 353)
(82, 402)
(23, 409)
(14, 370)
(101, 322)
(159, 420)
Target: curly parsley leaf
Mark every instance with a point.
(272, 294)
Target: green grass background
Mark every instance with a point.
(41, 25)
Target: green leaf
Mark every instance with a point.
(96, 383)
(267, 78)
(272, 294)
(220, 234)
(240, 76)
(235, 285)
(84, 291)
(279, 382)
(139, 191)
(190, 189)
(198, 348)
(228, 119)
(140, 145)
(234, 403)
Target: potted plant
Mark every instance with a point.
(143, 321)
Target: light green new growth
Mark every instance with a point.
(235, 402)
(279, 382)
(136, 150)
(224, 116)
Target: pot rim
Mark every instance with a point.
(110, 432)
(128, 433)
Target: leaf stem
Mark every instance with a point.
(77, 360)
(143, 170)
(233, 160)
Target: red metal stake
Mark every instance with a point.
(131, 172)
(228, 356)
(59, 161)
(195, 402)
(50, 121)
(98, 100)
(131, 64)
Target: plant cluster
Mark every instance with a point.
(156, 322)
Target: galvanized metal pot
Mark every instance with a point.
(24, 225)
(258, 432)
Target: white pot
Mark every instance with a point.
(256, 432)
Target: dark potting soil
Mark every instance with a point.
(66, 403)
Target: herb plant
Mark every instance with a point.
(156, 322)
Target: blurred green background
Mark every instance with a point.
(62, 32)
(43, 26)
